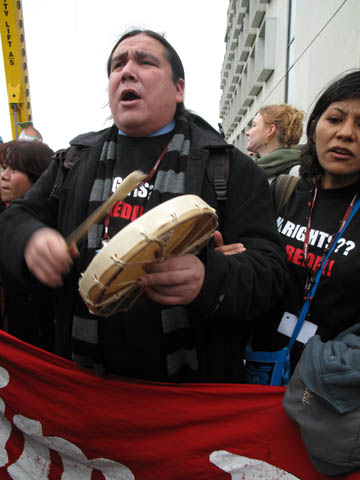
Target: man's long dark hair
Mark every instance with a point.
(344, 87)
(170, 54)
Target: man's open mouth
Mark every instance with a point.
(129, 96)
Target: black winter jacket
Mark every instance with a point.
(237, 289)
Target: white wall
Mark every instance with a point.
(327, 43)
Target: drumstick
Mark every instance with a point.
(129, 183)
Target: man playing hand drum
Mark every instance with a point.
(193, 321)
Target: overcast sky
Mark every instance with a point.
(67, 45)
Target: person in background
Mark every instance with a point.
(28, 315)
(321, 202)
(22, 163)
(191, 324)
(275, 133)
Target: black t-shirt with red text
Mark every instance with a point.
(134, 154)
(132, 341)
(336, 304)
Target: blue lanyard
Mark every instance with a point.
(311, 294)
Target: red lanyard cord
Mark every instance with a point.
(150, 175)
(156, 164)
(311, 275)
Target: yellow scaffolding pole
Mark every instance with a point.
(15, 63)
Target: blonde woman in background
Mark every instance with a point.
(275, 131)
(272, 143)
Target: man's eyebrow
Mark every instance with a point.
(144, 54)
(140, 54)
(121, 56)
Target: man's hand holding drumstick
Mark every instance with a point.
(49, 255)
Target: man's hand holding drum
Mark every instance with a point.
(176, 281)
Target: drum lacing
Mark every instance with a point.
(174, 217)
(98, 282)
(116, 259)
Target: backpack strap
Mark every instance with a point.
(283, 188)
(218, 167)
(66, 158)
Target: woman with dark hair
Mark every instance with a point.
(323, 200)
(27, 315)
(22, 163)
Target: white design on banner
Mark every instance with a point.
(35, 458)
(244, 468)
(34, 461)
(5, 425)
(5, 430)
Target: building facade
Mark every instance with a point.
(283, 51)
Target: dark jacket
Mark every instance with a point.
(237, 288)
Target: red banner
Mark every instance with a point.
(60, 422)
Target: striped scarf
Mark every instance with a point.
(181, 355)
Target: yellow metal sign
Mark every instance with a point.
(15, 63)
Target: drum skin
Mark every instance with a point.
(179, 226)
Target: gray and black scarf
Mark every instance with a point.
(181, 355)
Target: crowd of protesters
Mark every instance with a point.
(198, 311)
